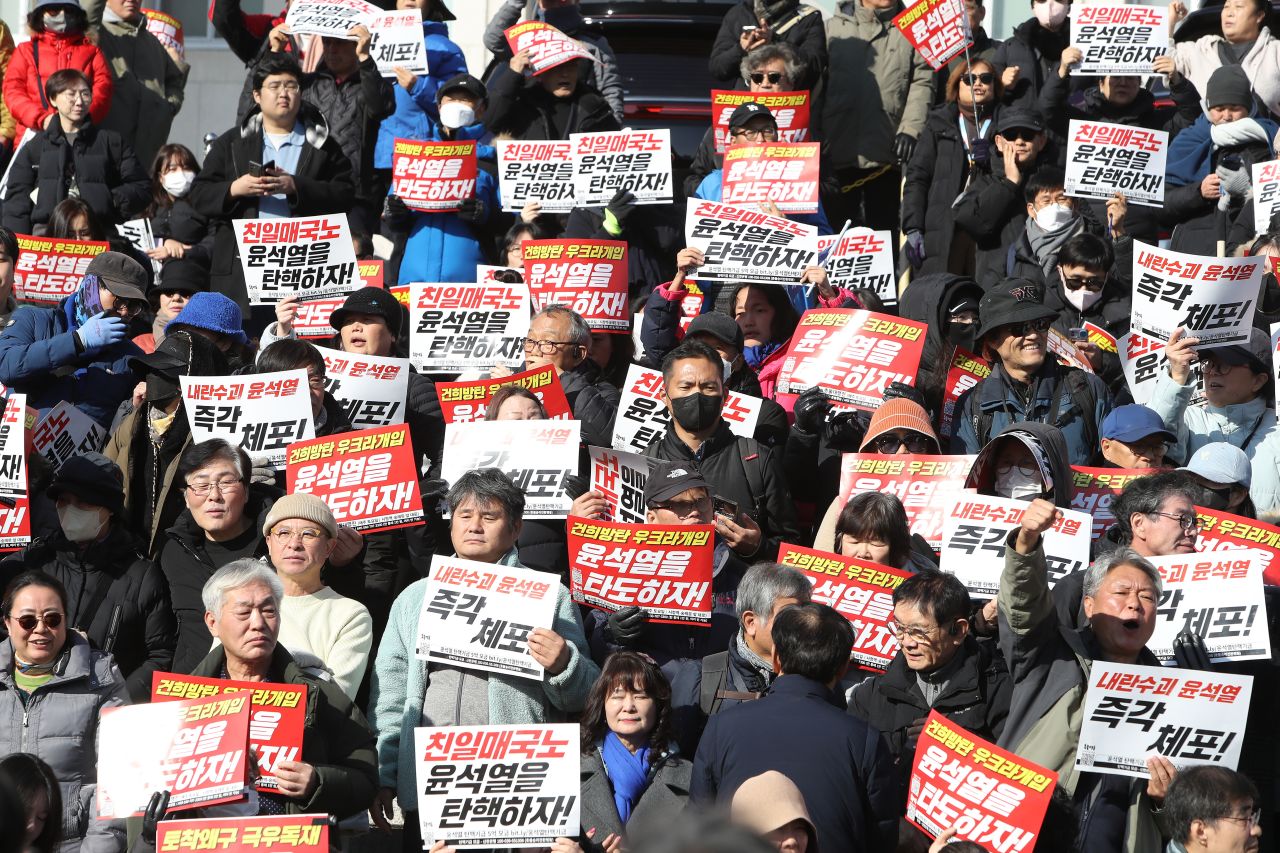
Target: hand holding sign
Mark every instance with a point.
(1162, 773)
(1181, 354)
(1070, 59)
(1039, 517)
(549, 649)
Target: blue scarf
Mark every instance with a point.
(628, 772)
(756, 355)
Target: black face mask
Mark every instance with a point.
(963, 335)
(1218, 499)
(697, 412)
(161, 388)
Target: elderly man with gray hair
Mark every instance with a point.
(337, 771)
(1051, 665)
(745, 671)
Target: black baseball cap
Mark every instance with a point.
(1014, 119)
(746, 112)
(668, 479)
(467, 83)
(720, 326)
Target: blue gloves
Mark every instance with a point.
(102, 331)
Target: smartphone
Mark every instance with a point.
(1078, 334)
(255, 169)
(749, 28)
(726, 507)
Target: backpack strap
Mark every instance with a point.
(715, 671)
(799, 15)
(1082, 394)
(753, 466)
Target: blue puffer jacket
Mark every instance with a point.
(416, 110)
(441, 247)
(711, 189)
(38, 357)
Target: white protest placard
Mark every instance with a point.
(332, 18)
(1134, 712)
(863, 259)
(310, 257)
(536, 455)
(1143, 360)
(642, 416)
(638, 161)
(535, 171)
(975, 530)
(468, 793)
(456, 327)
(741, 244)
(1218, 596)
(1117, 39)
(138, 233)
(1275, 360)
(263, 413)
(1212, 298)
(1105, 159)
(372, 389)
(65, 431)
(13, 458)
(479, 615)
(620, 476)
(1266, 194)
(398, 40)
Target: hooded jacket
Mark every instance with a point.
(1053, 446)
(593, 401)
(35, 60)
(416, 111)
(927, 301)
(520, 108)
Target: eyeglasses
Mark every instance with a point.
(78, 95)
(759, 77)
(1024, 134)
(1252, 819)
(1021, 330)
(684, 509)
(914, 441)
(769, 134)
(1149, 449)
(545, 347)
(225, 487)
(308, 535)
(28, 621)
(984, 78)
(127, 308)
(290, 87)
(1092, 283)
(1186, 521)
(1213, 367)
(920, 635)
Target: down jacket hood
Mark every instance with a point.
(1046, 444)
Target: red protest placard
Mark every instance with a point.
(920, 482)
(49, 269)
(588, 276)
(853, 354)
(994, 798)
(463, 402)
(790, 110)
(1096, 488)
(433, 177)
(277, 714)
(967, 370)
(937, 29)
(861, 591)
(196, 749)
(299, 833)
(167, 30)
(665, 569)
(1219, 530)
(1100, 337)
(368, 478)
(547, 46)
(783, 173)
(312, 320)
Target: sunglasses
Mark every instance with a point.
(915, 443)
(759, 77)
(984, 77)
(1020, 133)
(28, 621)
(1020, 330)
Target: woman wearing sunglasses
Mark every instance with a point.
(53, 687)
(956, 142)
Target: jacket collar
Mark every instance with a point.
(722, 437)
(995, 388)
(899, 680)
(1243, 414)
(806, 688)
(282, 670)
(76, 661)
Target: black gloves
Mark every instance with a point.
(156, 808)
(904, 145)
(811, 411)
(395, 212)
(621, 206)
(472, 211)
(906, 392)
(626, 625)
(1189, 651)
(845, 431)
(433, 495)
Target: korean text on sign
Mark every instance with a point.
(643, 417)
(743, 244)
(587, 276)
(1212, 298)
(790, 111)
(637, 161)
(15, 504)
(455, 327)
(1220, 530)
(547, 46)
(368, 478)
(852, 354)
(196, 749)
(1188, 716)
(1217, 595)
(966, 371)
(861, 591)
(479, 615)
(498, 786)
(937, 29)
(1266, 194)
(783, 173)
(536, 455)
(535, 171)
(994, 798)
(300, 833)
(312, 319)
(433, 177)
(1105, 159)
(974, 533)
(1119, 39)
(277, 714)
(1142, 360)
(49, 269)
(663, 569)
(371, 389)
(310, 258)
(263, 413)
(1096, 488)
(397, 40)
(922, 483)
(65, 431)
(863, 259)
(464, 402)
(333, 18)
(620, 476)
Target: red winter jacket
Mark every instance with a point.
(24, 83)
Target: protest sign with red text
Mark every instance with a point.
(620, 476)
(937, 29)
(1116, 39)
(456, 327)
(1142, 359)
(368, 478)
(1266, 194)
(921, 483)
(587, 276)
(783, 173)
(312, 319)
(397, 41)
(643, 416)
(1096, 488)
(1106, 159)
(535, 171)
(1220, 530)
(167, 29)
(48, 269)
(433, 177)
(372, 389)
(263, 413)
(309, 257)
(463, 402)
(66, 431)
(966, 371)
(863, 259)
(538, 456)
(1212, 298)
(744, 244)
(1217, 595)
(547, 46)
(300, 833)
(15, 504)
(790, 111)
(634, 161)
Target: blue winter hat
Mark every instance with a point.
(212, 312)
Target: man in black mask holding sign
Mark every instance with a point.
(753, 509)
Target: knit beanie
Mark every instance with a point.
(304, 506)
(1229, 85)
(212, 312)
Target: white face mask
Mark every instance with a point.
(1018, 485)
(1050, 13)
(728, 369)
(456, 114)
(81, 525)
(55, 22)
(1053, 217)
(1083, 298)
(177, 184)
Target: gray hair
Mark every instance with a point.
(237, 574)
(579, 331)
(486, 486)
(1104, 565)
(764, 583)
(771, 53)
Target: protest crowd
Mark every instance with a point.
(440, 459)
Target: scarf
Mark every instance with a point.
(756, 355)
(628, 773)
(86, 302)
(764, 667)
(1045, 244)
(33, 669)
(1190, 156)
(771, 12)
